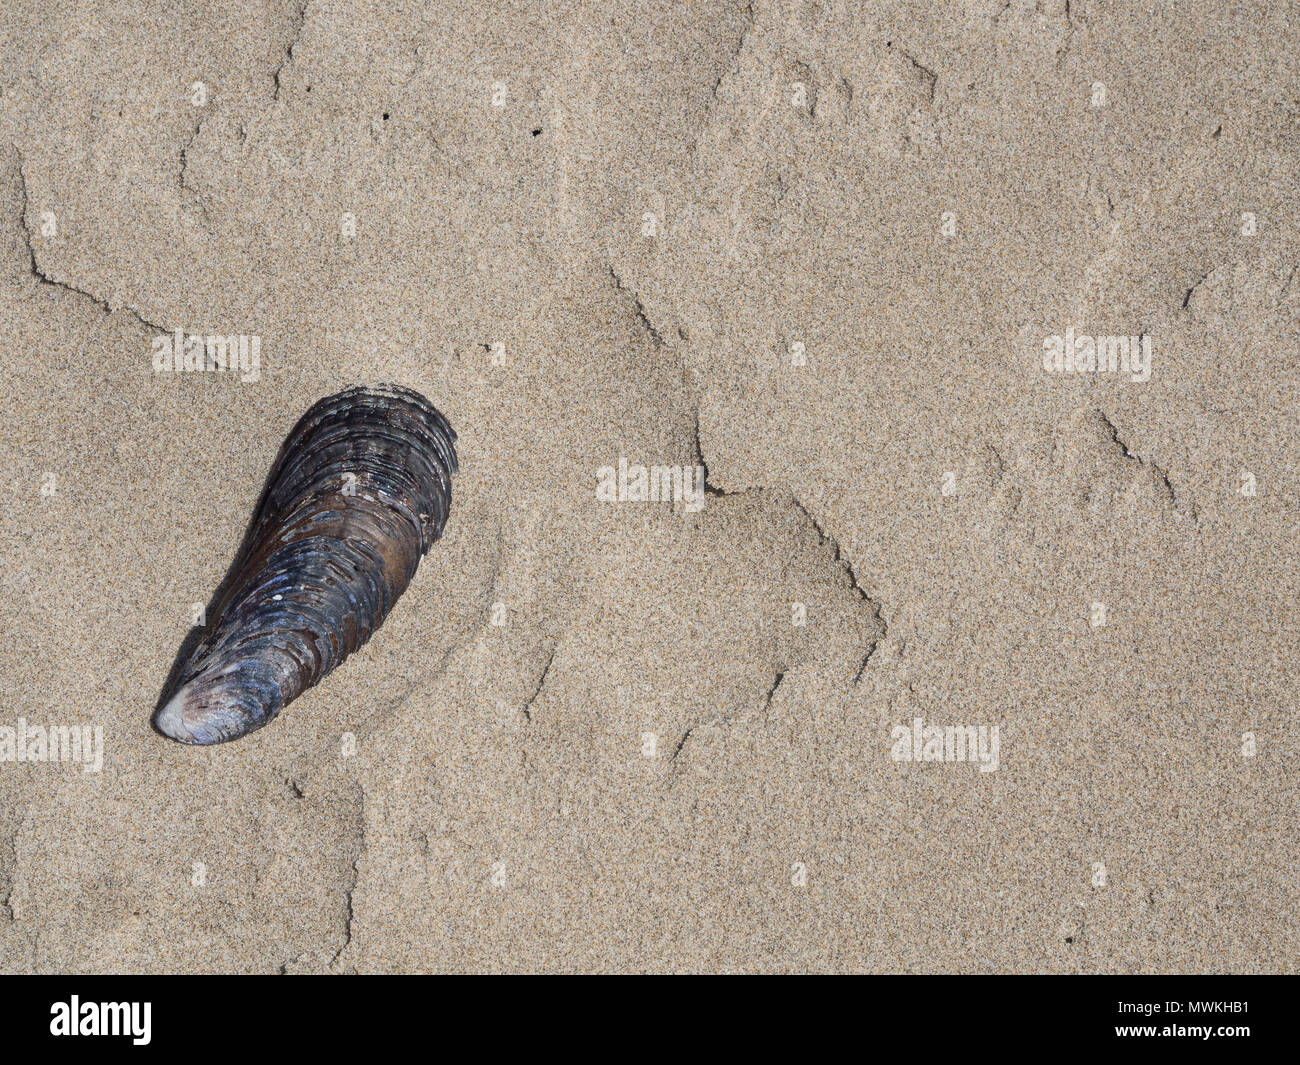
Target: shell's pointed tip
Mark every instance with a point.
(171, 722)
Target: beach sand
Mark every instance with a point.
(816, 249)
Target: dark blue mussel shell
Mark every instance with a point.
(359, 493)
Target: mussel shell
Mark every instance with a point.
(359, 493)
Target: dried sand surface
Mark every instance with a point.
(820, 251)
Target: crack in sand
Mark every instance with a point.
(733, 60)
(537, 689)
(35, 270)
(182, 177)
(839, 556)
(350, 920)
(861, 592)
(1187, 298)
(931, 78)
(299, 21)
(1160, 473)
(710, 489)
(776, 683)
(638, 308)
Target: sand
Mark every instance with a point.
(816, 249)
